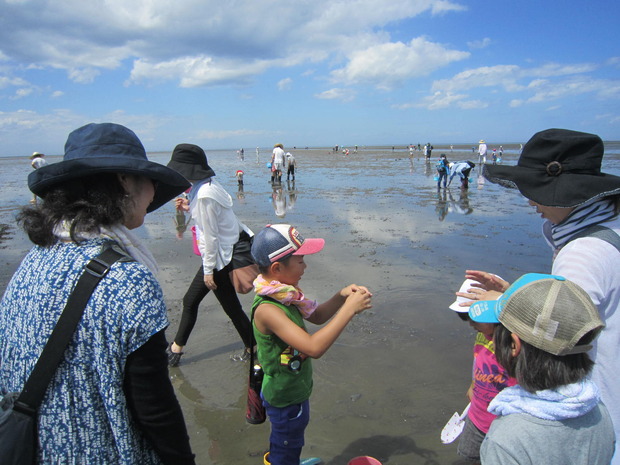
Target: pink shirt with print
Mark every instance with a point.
(489, 377)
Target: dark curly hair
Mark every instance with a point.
(86, 203)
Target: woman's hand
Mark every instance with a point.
(210, 282)
(488, 281)
(475, 294)
(487, 287)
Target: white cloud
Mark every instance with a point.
(195, 71)
(549, 82)
(486, 76)
(83, 75)
(343, 94)
(546, 90)
(285, 84)
(510, 77)
(205, 42)
(404, 106)
(441, 7)
(557, 69)
(23, 92)
(614, 61)
(608, 118)
(391, 64)
(440, 100)
(52, 127)
(477, 44)
(472, 104)
(6, 81)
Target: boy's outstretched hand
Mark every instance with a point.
(359, 297)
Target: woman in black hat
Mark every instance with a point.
(559, 172)
(110, 400)
(217, 230)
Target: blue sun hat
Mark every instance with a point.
(107, 148)
(547, 311)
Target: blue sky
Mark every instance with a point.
(247, 73)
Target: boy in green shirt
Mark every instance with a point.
(284, 346)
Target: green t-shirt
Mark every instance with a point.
(282, 386)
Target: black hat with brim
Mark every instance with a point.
(191, 161)
(558, 168)
(107, 148)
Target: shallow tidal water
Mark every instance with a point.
(401, 369)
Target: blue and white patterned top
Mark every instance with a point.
(84, 417)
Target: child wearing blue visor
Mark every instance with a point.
(554, 413)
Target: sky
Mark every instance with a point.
(248, 73)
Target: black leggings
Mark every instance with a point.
(226, 295)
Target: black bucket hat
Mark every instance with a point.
(558, 168)
(191, 161)
(107, 148)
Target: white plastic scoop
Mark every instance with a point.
(454, 427)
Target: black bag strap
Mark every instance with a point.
(600, 232)
(252, 338)
(32, 395)
(252, 341)
(265, 298)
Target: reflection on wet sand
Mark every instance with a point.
(279, 198)
(462, 205)
(446, 203)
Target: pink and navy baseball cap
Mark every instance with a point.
(278, 241)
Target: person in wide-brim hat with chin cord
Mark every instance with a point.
(559, 172)
(110, 400)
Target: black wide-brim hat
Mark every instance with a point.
(558, 168)
(107, 148)
(191, 161)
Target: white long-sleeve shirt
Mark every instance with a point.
(594, 265)
(458, 168)
(217, 226)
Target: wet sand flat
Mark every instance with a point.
(400, 370)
